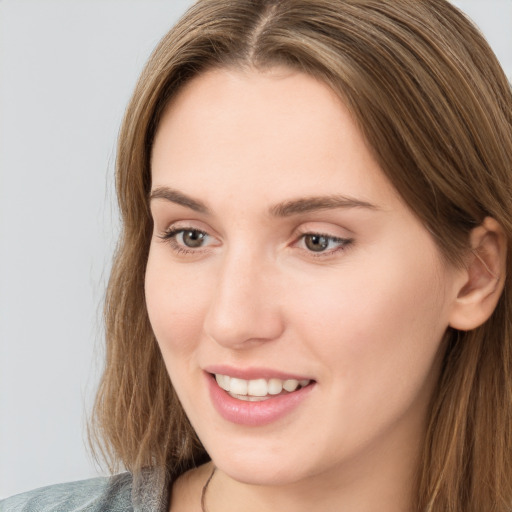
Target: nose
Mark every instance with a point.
(244, 308)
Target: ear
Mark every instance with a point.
(484, 277)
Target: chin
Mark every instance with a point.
(260, 466)
(254, 474)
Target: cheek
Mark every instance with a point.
(374, 334)
(176, 300)
(381, 319)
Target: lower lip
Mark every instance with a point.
(254, 414)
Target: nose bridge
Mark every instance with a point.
(243, 305)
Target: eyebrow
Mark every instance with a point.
(317, 203)
(179, 198)
(284, 209)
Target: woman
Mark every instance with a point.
(310, 306)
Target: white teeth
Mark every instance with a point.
(238, 386)
(222, 381)
(256, 389)
(290, 385)
(275, 386)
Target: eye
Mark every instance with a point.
(192, 237)
(323, 244)
(186, 240)
(316, 243)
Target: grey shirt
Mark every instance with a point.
(147, 491)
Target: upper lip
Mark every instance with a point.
(253, 372)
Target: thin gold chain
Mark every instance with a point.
(203, 492)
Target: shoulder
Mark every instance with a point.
(93, 495)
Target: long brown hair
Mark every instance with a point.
(436, 109)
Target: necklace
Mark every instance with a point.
(205, 487)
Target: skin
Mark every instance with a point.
(365, 319)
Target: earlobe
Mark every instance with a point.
(484, 277)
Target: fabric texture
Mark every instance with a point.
(147, 491)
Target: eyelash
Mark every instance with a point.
(170, 235)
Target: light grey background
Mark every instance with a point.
(67, 69)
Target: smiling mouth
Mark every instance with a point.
(257, 390)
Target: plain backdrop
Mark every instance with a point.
(67, 69)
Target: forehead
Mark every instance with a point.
(232, 134)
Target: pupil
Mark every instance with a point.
(316, 243)
(193, 238)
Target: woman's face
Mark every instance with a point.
(282, 256)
